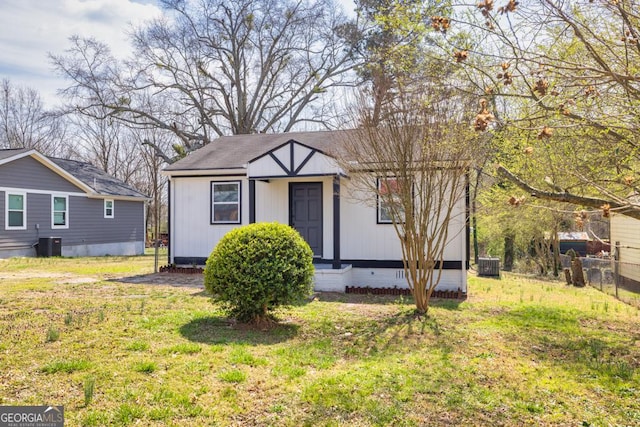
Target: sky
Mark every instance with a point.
(31, 29)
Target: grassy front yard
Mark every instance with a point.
(77, 332)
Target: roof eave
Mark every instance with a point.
(17, 156)
(205, 172)
(118, 197)
(63, 173)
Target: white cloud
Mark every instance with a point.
(31, 29)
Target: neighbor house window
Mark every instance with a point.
(225, 202)
(108, 208)
(388, 192)
(16, 211)
(60, 212)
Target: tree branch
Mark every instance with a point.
(629, 209)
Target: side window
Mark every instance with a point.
(15, 211)
(108, 208)
(388, 192)
(225, 202)
(60, 212)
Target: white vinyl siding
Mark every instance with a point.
(59, 212)
(15, 211)
(626, 230)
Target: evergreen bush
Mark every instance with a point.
(258, 267)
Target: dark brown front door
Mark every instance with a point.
(305, 215)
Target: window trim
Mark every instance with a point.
(212, 203)
(66, 211)
(113, 209)
(379, 201)
(6, 210)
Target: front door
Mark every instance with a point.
(305, 200)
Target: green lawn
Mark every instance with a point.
(516, 352)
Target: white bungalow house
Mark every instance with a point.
(292, 178)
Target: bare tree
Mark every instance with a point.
(149, 180)
(24, 122)
(109, 145)
(416, 159)
(218, 67)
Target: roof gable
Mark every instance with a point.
(11, 154)
(85, 176)
(236, 152)
(99, 181)
(292, 159)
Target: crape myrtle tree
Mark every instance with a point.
(563, 84)
(217, 68)
(414, 144)
(415, 155)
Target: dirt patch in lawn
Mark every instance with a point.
(58, 278)
(169, 279)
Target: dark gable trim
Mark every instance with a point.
(361, 263)
(226, 175)
(291, 170)
(291, 141)
(282, 166)
(260, 178)
(304, 162)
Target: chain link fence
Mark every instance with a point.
(611, 277)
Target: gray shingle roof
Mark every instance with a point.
(10, 152)
(101, 182)
(233, 152)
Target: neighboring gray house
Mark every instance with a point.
(91, 212)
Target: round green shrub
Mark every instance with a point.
(258, 267)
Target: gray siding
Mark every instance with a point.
(87, 224)
(19, 239)
(29, 173)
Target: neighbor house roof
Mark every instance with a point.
(573, 235)
(91, 179)
(95, 178)
(10, 152)
(235, 152)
